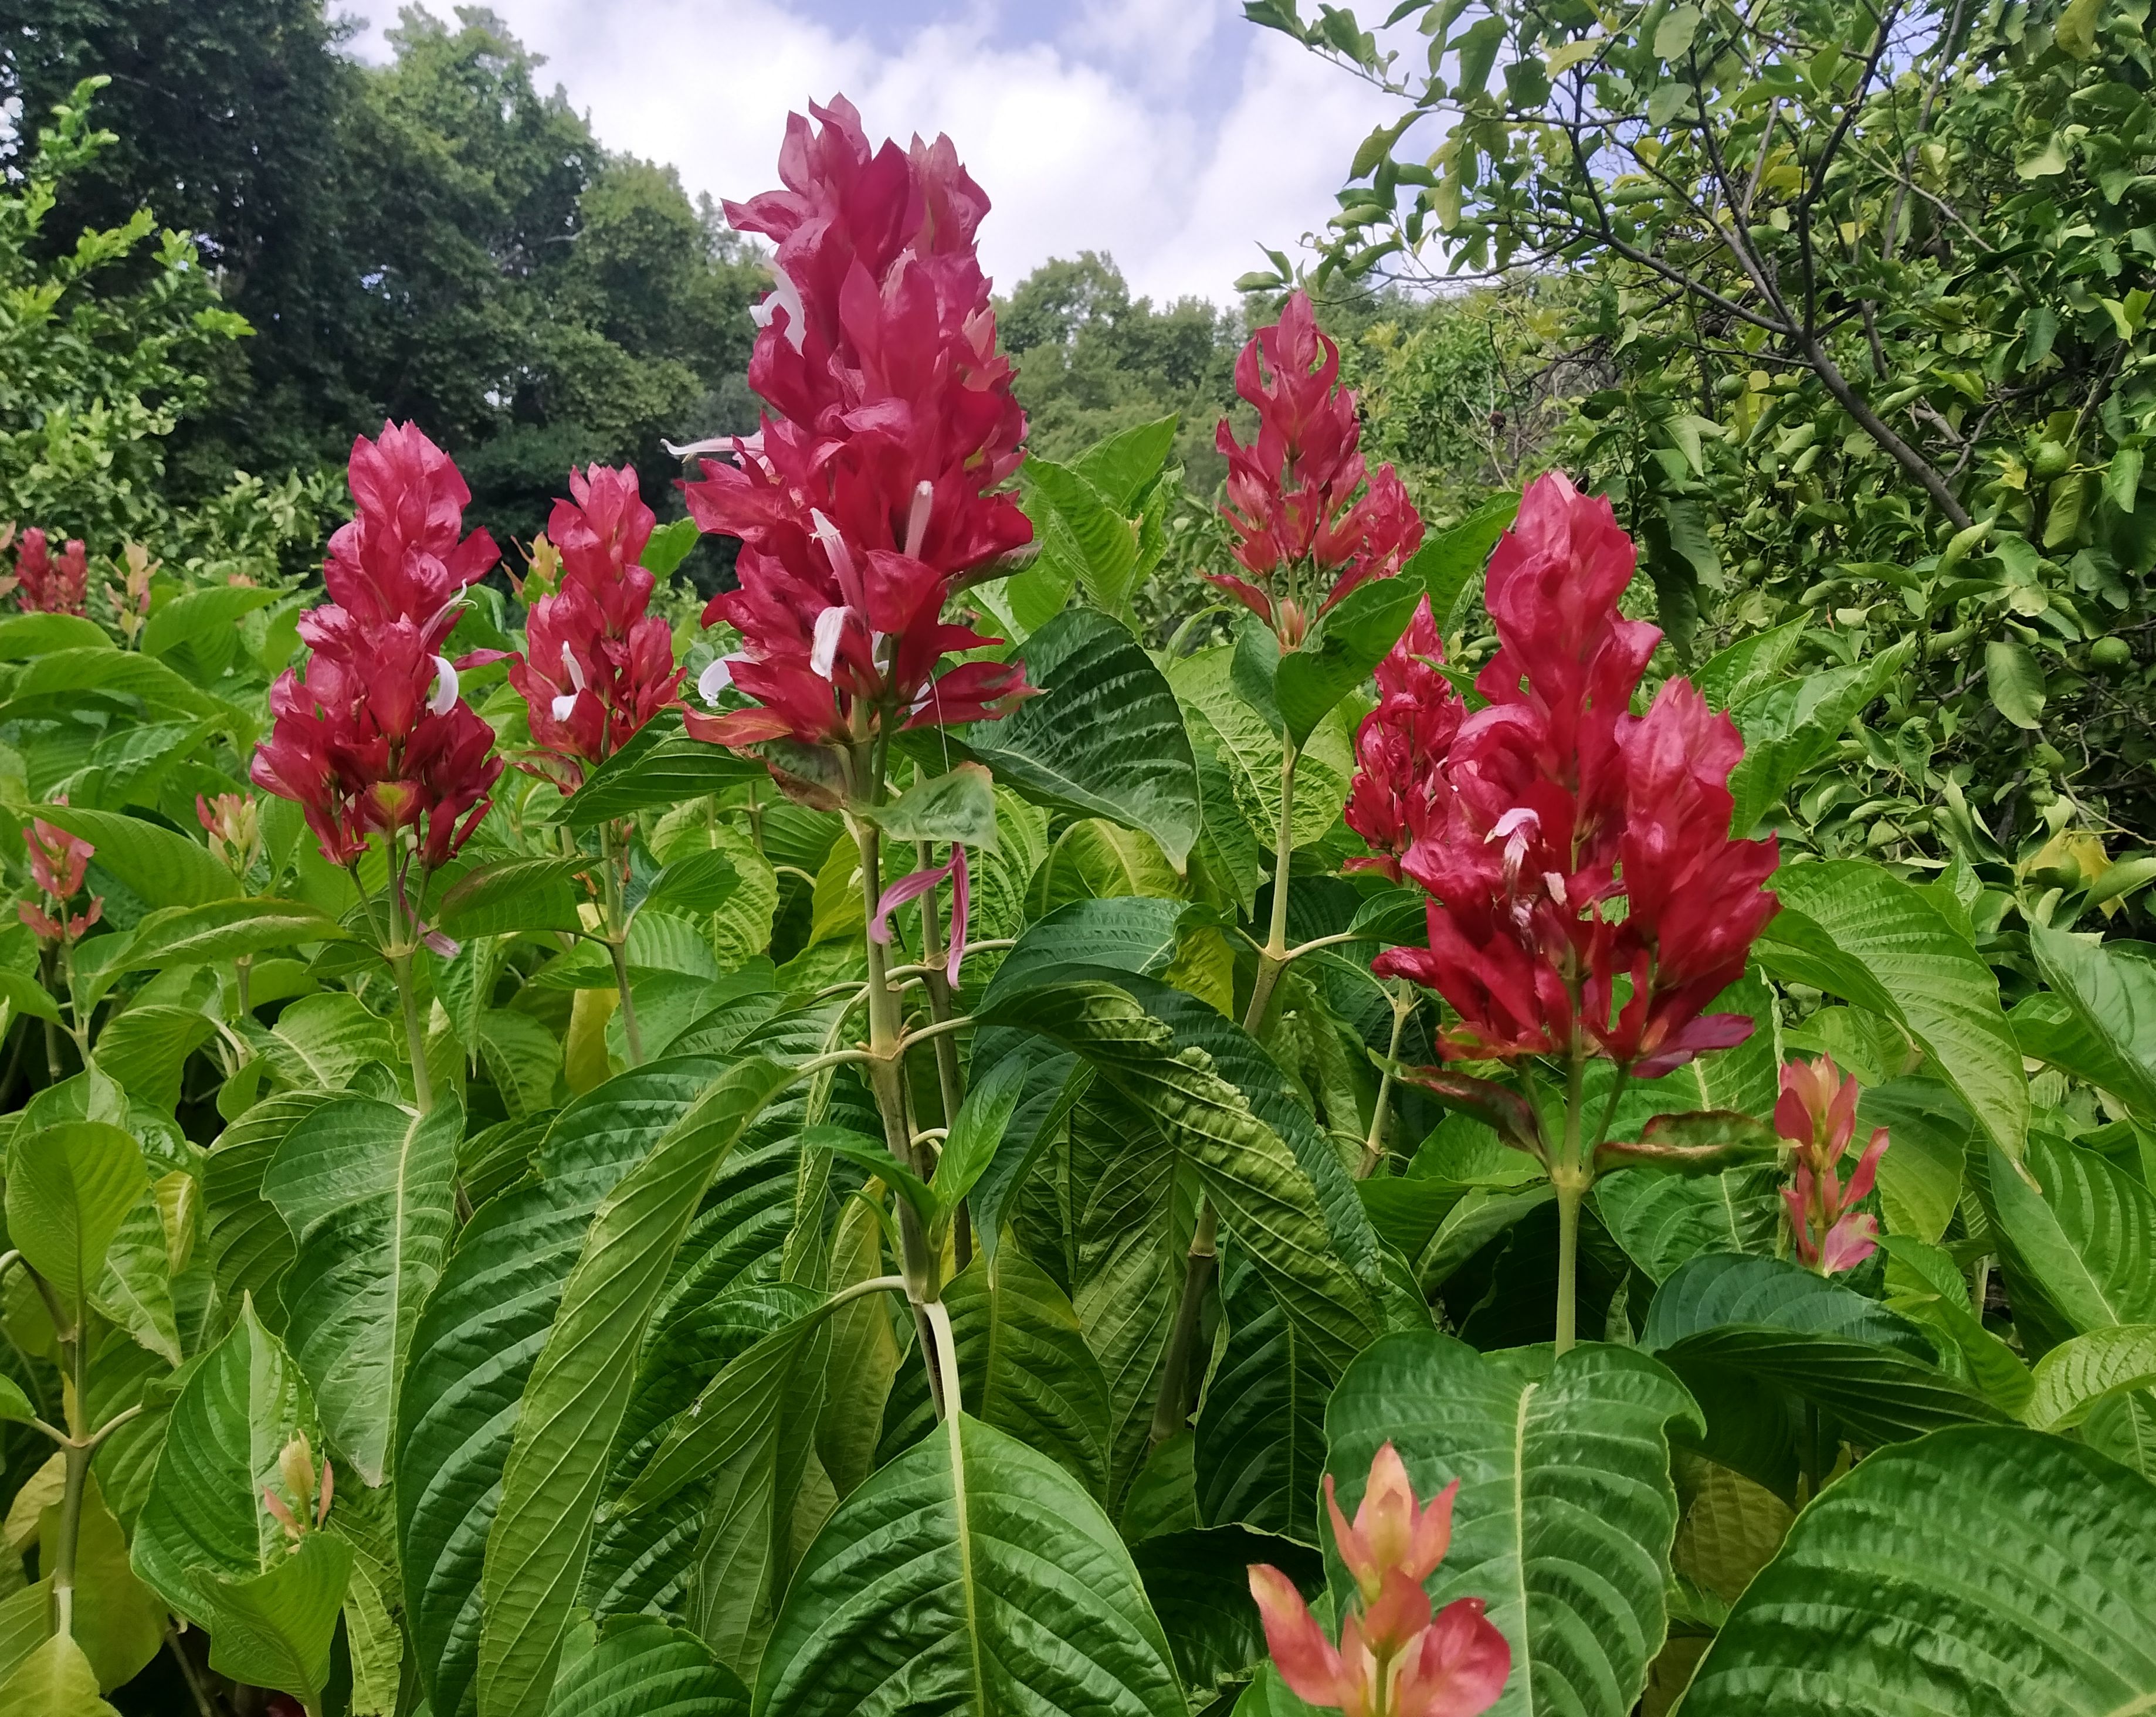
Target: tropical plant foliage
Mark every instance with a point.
(922, 1146)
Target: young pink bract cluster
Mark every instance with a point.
(1817, 1113)
(372, 738)
(1394, 1658)
(1298, 499)
(874, 484)
(1529, 820)
(58, 862)
(46, 583)
(598, 665)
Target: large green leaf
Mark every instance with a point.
(70, 1187)
(1447, 563)
(1735, 1328)
(25, 635)
(1129, 932)
(159, 863)
(205, 1542)
(1344, 647)
(1665, 1221)
(473, 1349)
(226, 930)
(2074, 1378)
(1104, 738)
(367, 1188)
(640, 1667)
(2084, 1235)
(53, 1679)
(196, 614)
(1790, 724)
(248, 1245)
(514, 894)
(1260, 1434)
(1853, 929)
(146, 1048)
(1249, 748)
(573, 1401)
(2110, 987)
(1023, 1367)
(661, 767)
(971, 1574)
(1263, 1188)
(1106, 541)
(1987, 1571)
(1565, 1514)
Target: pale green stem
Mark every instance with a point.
(617, 940)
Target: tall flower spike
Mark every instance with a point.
(1546, 809)
(1816, 1113)
(1400, 742)
(51, 584)
(877, 483)
(600, 664)
(1301, 531)
(372, 739)
(1394, 1658)
(59, 862)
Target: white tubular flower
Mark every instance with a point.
(567, 701)
(841, 558)
(916, 518)
(824, 650)
(444, 697)
(717, 675)
(785, 296)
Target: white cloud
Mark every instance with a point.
(1124, 131)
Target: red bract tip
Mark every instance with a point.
(1554, 803)
(1817, 1114)
(372, 738)
(1292, 500)
(597, 665)
(875, 483)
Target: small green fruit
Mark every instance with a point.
(2052, 459)
(2112, 654)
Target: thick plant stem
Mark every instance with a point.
(1381, 1111)
(610, 862)
(949, 1080)
(1274, 955)
(79, 1447)
(887, 1084)
(415, 1032)
(1570, 1177)
(1171, 1410)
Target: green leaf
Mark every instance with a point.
(661, 767)
(959, 807)
(204, 1516)
(693, 885)
(1850, 928)
(574, 1400)
(2111, 988)
(1199, 1584)
(2016, 683)
(1750, 665)
(2076, 1376)
(1729, 1325)
(25, 995)
(972, 1573)
(1121, 466)
(515, 894)
(1104, 738)
(224, 929)
(70, 1187)
(1674, 35)
(159, 863)
(274, 1629)
(1249, 749)
(193, 615)
(1790, 723)
(1919, 1176)
(1921, 1581)
(667, 547)
(1665, 1221)
(1023, 1367)
(640, 1667)
(15, 1406)
(1563, 1468)
(25, 635)
(320, 1042)
(473, 1349)
(1260, 1433)
(54, 1680)
(1261, 1185)
(147, 1046)
(1347, 643)
(1106, 540)
(1128, 932)
(2084, 1235)
(118, 1623)
(983, 1116)
(367, 1190)
(135, 1289)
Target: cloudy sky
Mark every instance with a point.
(1169, 132)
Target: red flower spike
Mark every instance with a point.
(599, 664)
(59, 862)
(1539, 813)
(49, 585)
(1817, 1114)
(373, 738)
(1400, 742)
(875, 483)
(1393, 1659)
(1292, 500)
